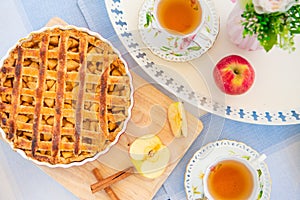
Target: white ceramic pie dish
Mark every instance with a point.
(107, 148)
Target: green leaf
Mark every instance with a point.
(259, 172)
(271, 40)
(246, 157)
(207, 29)
(164, 48)
(260, 194)
(273, 29)
(195, 190)
(170, 38)
(177, 54)
(245, 2)
(149, 17)
(232, 152)
(194, 48)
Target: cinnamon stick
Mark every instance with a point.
(108, 189)
(100, 185)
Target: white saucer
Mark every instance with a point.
(174, 48)
(209, 153)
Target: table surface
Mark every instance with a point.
(20, 178)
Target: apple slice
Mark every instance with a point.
(149, 156)
(177, 119)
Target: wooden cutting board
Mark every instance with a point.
(149, 115)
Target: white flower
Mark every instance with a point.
(269, 6)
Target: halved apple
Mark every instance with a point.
(177, 119)
(149, 156)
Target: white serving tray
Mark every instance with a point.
(273, 99)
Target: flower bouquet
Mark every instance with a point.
(273, 22)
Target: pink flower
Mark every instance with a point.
(186, 42)
(270, 6)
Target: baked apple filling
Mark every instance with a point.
(65, 96)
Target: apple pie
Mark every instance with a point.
(66, 95)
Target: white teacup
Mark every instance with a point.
(232, 178)
(181, 18)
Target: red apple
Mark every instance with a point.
(234, 75)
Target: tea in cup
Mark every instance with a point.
(231, 179)
(179, 17)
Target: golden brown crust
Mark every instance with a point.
(64, 97)
(103, 103)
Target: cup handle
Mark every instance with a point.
(255, 163)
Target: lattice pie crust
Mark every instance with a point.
(65, 95)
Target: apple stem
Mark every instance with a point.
(151, 153)
(236, 71)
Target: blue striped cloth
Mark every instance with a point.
(268, 139)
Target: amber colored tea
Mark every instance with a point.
(230, 179)
(179, 16)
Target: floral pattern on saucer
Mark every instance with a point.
(196, 167)
(176, 48)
